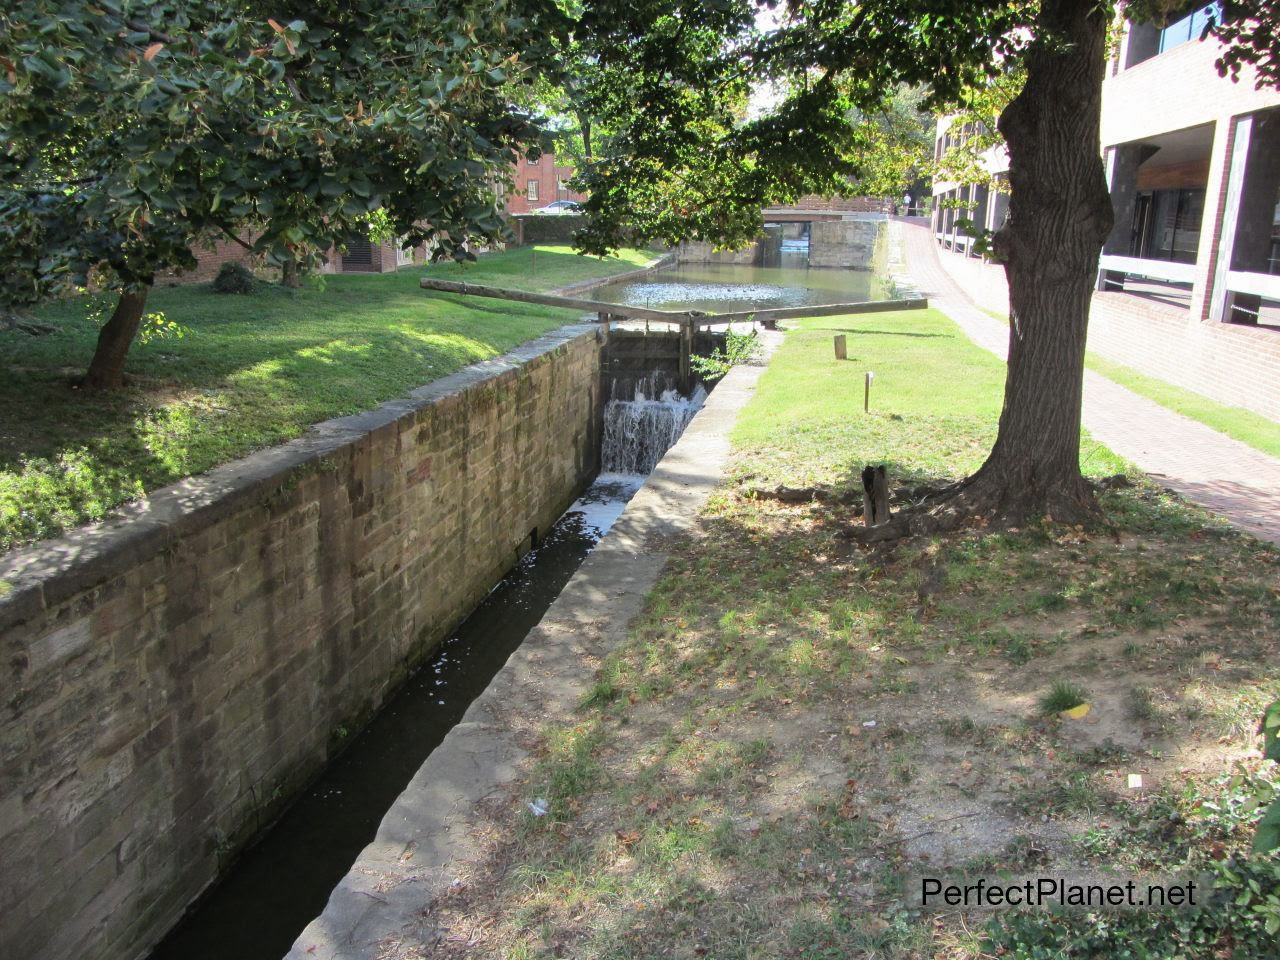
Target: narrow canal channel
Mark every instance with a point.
(282, 882)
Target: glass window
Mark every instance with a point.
(1189, 27)
(1166, 225)
(533, 161)
(531, 190)
(1273, 256)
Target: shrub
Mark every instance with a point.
(738, 348)
(234, 278)
(1237, 917)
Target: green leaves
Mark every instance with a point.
(127, 139)
(1270, 730)
(1267, 838)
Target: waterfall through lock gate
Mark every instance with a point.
(642, 421)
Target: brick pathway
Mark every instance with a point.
(1181, 453)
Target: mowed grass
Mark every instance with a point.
(935, 402)
(251, 371)
(796, 726)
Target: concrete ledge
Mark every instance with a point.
(661, 263)
(376, 912)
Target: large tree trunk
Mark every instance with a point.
(1059, 216)
(106, 369)
(290, 275)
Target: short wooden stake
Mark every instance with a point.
(842, 352)
(686, 349)
(875, 495)
(866, 393)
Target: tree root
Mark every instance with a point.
(985, 502)
(785, 494)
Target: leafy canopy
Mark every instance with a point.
(683, 158)
(131, 131)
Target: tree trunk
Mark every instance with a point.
(1059, 216)
(106, 369)
(290, 275)
(585, 123)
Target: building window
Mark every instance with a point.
(1166, 225)
(533, 161)
(531, 190)
(1189, 27)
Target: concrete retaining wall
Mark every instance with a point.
(697, 251)
(172, 677)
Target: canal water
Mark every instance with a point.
(727, 288)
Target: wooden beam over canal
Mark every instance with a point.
(687, 322)
(695, 318)
(569, 303)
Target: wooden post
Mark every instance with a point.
(686, 350)
(875, 495)
(842, 352)
(866, 393)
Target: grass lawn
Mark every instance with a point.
(799, 728)
(251, 371)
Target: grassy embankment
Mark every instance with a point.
(798, 726)
(251, 371)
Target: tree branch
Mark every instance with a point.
(139, 27)
(233, 237)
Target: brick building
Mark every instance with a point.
(1189, 280)
(360, 257)
(538, 183)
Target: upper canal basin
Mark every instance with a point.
(728, 288)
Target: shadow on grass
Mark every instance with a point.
(712, 765)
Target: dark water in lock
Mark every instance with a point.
(282, 883)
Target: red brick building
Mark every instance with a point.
(540, 182)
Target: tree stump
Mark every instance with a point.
(842, 351)
(875, 495)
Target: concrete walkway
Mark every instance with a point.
(1219, 473)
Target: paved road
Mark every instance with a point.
(1181, 453)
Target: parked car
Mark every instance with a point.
(559, 207)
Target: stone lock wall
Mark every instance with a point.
(171, 677)
(844, 243)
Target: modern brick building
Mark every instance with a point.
(1189, 280)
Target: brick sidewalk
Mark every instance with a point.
(1181, 453)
